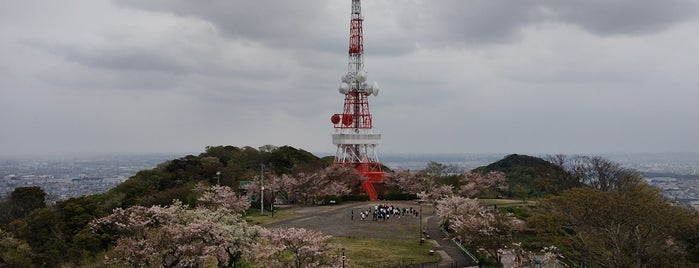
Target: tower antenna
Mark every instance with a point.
(354, 138)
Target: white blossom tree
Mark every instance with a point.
(454, 207)
(475, 225)
(437, 193)
(222, 197)
(296, 247)
(551, 256)
(177, 236)
(307, 188)
(408, 181)
(475, 184)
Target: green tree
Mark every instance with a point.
(288, 159)
(210, 165)
(634, 227)
(42, 231)
(542, 177)
(603, 174)
(522, 192)
(14, 252)
(75, 214)
(21, 202)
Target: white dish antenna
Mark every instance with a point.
(344, 88)
(361, 76)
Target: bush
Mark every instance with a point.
(355, 198)
(397, 196)
(517, 211)
(332, 200)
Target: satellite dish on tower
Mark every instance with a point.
(344, 88)
(361, 76)
(335, 118)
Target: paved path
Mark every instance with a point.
(456, 257)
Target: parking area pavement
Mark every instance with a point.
(345, 221)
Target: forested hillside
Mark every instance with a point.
(37, 234)
(583, 211)
(529, 176)
(174, 179)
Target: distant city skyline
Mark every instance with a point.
(529, 77)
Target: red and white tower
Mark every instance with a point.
(356, 143)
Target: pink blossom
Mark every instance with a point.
(177, 235)
(296, 247)
(475, 184)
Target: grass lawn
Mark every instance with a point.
(253, 215)
(505, 202)
(371, 252)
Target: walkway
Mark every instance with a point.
(455, 257)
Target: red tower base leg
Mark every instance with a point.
(370, 191)
(372, 176)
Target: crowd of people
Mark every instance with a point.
(384, 212)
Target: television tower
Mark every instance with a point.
(356, 143)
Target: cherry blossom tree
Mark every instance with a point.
(343, 178)
(408, 181)
(551, 256)
(275, 186)
(177, 236)
(222, 197)
(475, 225)
(307, 188)
(453, 207)
(438, 193)
(296, 247)
(137, 234)
(475, 184)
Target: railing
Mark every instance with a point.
(461, 246)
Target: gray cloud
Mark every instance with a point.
(623, 16)
(305, 23)
(409, 25)
(456, 76)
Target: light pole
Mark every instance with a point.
(420, 231)
(262, 190)
(271, 199)
(343, 257)
(218, 178)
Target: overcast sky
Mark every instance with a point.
(459, 76)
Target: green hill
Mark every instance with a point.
(174, 179)
(529, 176)
(61, 233)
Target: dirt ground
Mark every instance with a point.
(337, 220)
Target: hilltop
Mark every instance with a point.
(531, 176)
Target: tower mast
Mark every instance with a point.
(355, 141)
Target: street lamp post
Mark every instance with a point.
(343, 257)
(262, 191)
(421, 239)
(218, 178)
(271, 199)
